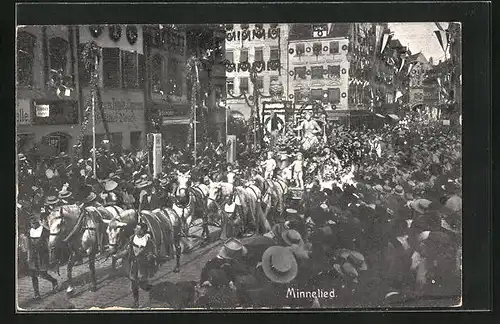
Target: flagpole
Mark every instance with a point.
(93, 125)
(195, 110)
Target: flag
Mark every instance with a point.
(402, 64)
(410, 67)
(442, 36)
(386, 38)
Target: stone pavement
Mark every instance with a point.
(112, 290)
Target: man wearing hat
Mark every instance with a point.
(109, 196)
(65, 196)
(148, 197)
(141, 255)
(230, 259)
(38, 254)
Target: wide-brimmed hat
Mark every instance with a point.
(90, 197)
(21, 157)
(62, 155)
(399, 190)
(119, 171)
(232, 248)
(292, 237)
(387, 188)
(420, 205)
(51, 200)
(279, 264)
(110, 185)
(143, 184)
(64, 194)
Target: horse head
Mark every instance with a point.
(60, 222)
(214, 193)
(115, 231)
(183, 183)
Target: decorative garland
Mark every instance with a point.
(132, 34)
(243, 66)
(259, 66)
(95, 30)
(115, 32)
(273, 33)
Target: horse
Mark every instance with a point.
(273, 196)
(164, 226)
(82, 230)
(246, 196)
(190, 202)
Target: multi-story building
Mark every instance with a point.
(44, 113)
(259, 46)
(167, 102)
(121, 81)
(318, 68)
(418, 66)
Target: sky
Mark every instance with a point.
(420, 37)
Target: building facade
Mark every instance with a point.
(262, 47)
(44, 113)
(318, 67)
(122, 85)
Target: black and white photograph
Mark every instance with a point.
(238, 166)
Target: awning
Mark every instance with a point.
(395, 117)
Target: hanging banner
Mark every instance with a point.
(157, 155)
(231, 148)
(125, 37)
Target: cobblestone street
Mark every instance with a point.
(113, 290)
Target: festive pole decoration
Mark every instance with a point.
(402, 64)
(410, 67)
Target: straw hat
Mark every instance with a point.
(90, 197)
(231, 248)
(420, 205)
(143, 184)
(399, 190)
(110, 185)
(51, 200)
(65, 194)
(292, 237)
(279, 264)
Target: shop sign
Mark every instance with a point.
(43, 111)
(23, 112)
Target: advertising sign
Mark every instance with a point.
(42, 110)
(23, 112)
(157, 155)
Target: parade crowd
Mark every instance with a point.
(377, 218)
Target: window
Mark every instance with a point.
(334, 47)
(317, 94)
(174, 78)
(334, 95)
(244, 55)
(25, 58)
(156, 73)
(260, 83)
(58, 54)
(300, 72)
(317, 49)
(258, 55)
(243, 85)
(298, 94)
(129, 70)
(300, 49)
(334, 71)
(230, 85)
(135, 140)
(116, 141)
(111, 67)
(317, 72)
(274, 54)
(259, 26)
(230, 56)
